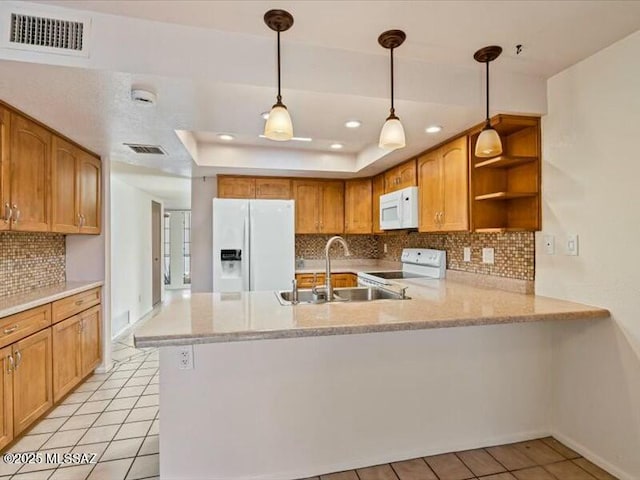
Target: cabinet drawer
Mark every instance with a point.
(308, 280)
(20, 325)
(67, 307)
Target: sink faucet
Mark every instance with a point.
(327, 276)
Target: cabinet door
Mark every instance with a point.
(64, 187)
(391, 180)
(32, 385)
(67, 370)
(455, 181)
(89, 181)
(30, 175)
(377, 189)
(236, 187)
(430, 192)
(5, 184)
(308, 280)
(406, 173)
(332, 207)
(90, 339)
(6, 398)
(273, 188)
(306, 195)
(357, 206)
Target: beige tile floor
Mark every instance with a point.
(542, 459)
(112, 415)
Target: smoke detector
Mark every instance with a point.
(143, 97)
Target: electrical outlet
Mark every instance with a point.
(572, 244)
(488, 255)
(384, 247)
(549, 243)
(466, 254)
(185, 357)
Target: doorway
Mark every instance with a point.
(156, 244)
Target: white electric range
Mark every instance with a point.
(418, 264)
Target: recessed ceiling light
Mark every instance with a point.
(264, 115)
(297, 139)
(226, 137)
(337, 146)
(433, 129)
(353, 124)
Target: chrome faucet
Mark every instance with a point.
(327, 275)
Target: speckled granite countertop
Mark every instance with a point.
(35, 298)
(229, 317)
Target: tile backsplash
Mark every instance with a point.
(514, 251)
(30, 260)
(360, 246)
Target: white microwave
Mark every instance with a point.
(399, 209)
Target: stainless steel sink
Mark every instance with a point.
(353, 294)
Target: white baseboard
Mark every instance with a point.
(593, 458)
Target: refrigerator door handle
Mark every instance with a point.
(246, 255)
(251, 259)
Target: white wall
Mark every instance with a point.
(131, 265)
(591, 175)
(294, 408)
(203, 189)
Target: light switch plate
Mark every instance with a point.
(572, 244)
(488, 255)
(549, 244)
(466, 253)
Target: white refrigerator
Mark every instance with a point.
(253, 244)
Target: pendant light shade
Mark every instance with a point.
(392, 133)
(488, 143)
(278, 126)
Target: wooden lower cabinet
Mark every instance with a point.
(76, 350)
(67, 366)
(6, 397)
(32, 379)
(90, 339)
(339, 280)
(344, 280)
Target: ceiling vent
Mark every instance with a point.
(146, 149)
(40, 32)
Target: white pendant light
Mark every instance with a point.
(392, 133)
(278, 126)
(488, 143)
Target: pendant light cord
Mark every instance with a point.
(393, 110)
(487, 119)
(279, 95)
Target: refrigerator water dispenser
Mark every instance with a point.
(231, 261)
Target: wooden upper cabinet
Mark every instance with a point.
(402, 176)
(6, 397)
(236, 187)
(30, 183)
(307, 205)
(357, 206)
(430, 191)
(64, 187)
(319, 206)
(273, 188)
(332, 207)
(89, 193)
(377, 189)
(455, 186)
(32, 379)
(5, 182)
(444, 186)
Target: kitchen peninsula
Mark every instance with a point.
(282, 392)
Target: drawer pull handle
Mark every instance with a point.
(79, 302)
(9, 330)
(11, 366)
(18, 360)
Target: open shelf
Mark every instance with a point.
(506, 195)
(505, 161)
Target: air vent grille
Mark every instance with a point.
(46, 32)
(146, 149)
